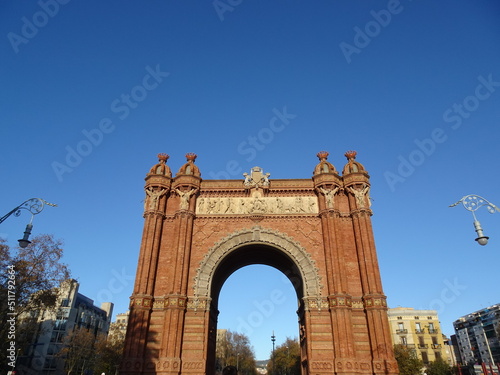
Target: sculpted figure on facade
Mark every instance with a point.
(256, 181)
(229, 206)
(154, 196)
(360, 194)
(329, 195)
(201, 204)
(312, 205)
(256, 178)
(185, 195)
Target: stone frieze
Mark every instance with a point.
(256, 205)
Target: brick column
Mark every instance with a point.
(338, 303)
(172, 340)
(383, 361)
(157, 189)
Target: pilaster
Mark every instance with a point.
(157, 188)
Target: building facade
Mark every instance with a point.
(316, 231)
(419, 330)
(118, 328)
(478, 336)
(74, 310)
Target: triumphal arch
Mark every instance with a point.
(316, 231)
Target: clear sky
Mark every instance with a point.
(92, 91)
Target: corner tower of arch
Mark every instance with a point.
(316, 231)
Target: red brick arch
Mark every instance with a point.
(316, 231)
(252, 237)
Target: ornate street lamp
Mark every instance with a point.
(472, 203)
(34, 206)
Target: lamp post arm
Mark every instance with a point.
(473, 202)
(33, 205)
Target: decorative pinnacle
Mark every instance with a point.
(191, 156)
(350, 155)
(162, 156)
(322, 155)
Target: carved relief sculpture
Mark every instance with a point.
(154, 196)
(185, 195)
(360, 194)
(329, 195)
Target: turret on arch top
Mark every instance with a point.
(317, 231)
(189, 168)
(257, 177)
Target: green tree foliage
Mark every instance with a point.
(38, 271)
(408, 361)
(286, 359)
(235, 350)
(439, 367)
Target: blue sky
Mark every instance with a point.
(92, 91)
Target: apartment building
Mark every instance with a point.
(419, 330)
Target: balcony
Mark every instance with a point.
(420, 331)
(411, 346)
(402, 331)
(436, 346)
(433, 330)
(423, 346)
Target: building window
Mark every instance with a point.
(421, 342)
(401, 328)
(404, 341)
(425, 358)
(418, 328)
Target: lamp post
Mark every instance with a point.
(472, 203)
(273, 339)
(34, 206)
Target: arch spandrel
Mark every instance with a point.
(258, 236)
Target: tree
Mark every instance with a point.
(408, 361)
(78, 351)
(439, 367)
(286, 359)
(29, 285)
(108, 354)
(235, 350)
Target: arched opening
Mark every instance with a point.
(251, 266)
(252, 246)
(256, 301)
(256, 254)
